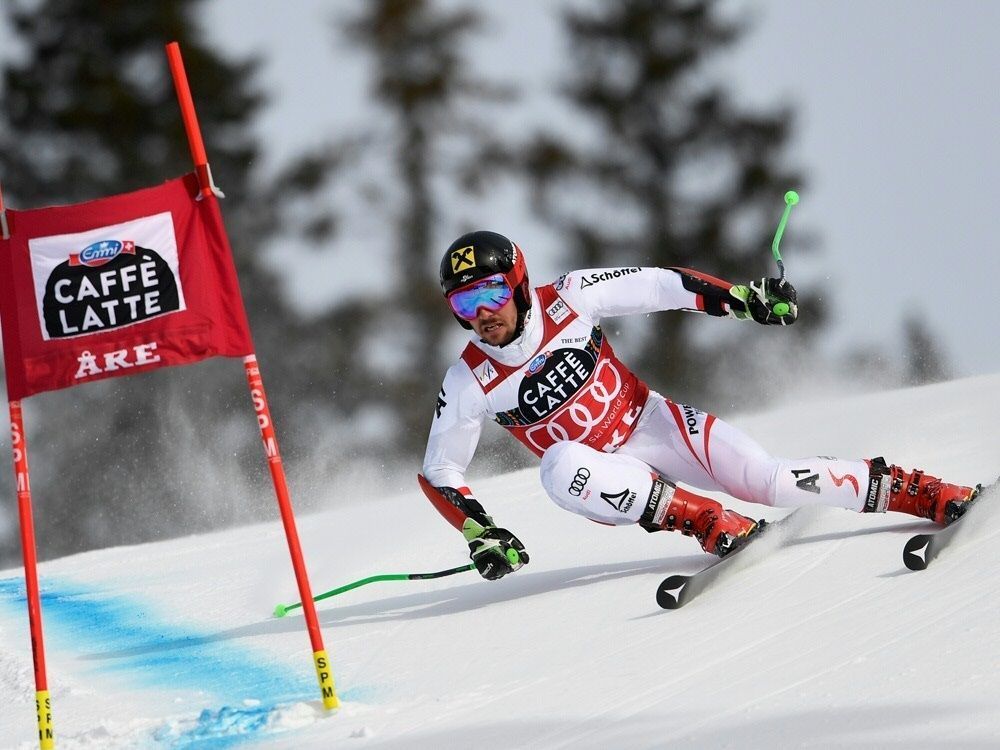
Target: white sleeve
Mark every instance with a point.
(607, 292)
(458, 421)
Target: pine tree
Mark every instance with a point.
(662, 168)
(89, 110)
(924, 361)
(421, 79)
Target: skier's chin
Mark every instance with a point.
(495, 333)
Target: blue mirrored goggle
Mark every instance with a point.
(492, 292)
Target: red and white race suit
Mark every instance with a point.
(600, 431)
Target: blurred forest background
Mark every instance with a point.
(658, 165)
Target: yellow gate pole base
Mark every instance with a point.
(325, 676)
(43, 706)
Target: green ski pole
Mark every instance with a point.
(283, 609)
(791, 198)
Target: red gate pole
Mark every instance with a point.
(323, 670)
(322, 663)
(43, 706)
(190, 118)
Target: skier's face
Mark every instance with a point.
(496, 327)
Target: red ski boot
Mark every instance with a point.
(916, 493)
(720, 531)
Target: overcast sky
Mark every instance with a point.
(898, 109)
(897, 130)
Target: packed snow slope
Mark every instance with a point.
(826, 640)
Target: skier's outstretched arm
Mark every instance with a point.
(458, 420)
(607, 292)
(767, 301)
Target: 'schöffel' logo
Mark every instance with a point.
(621, 501)
(579, 481)
(99, 253)
(595, 278)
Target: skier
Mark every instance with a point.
(611, 449)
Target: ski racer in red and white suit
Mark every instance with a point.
(611, 449)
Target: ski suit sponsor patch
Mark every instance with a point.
(574, 388)
(579, 482)
(561, 376)
(485, 373)
(558, 311)
(839, 481)
(620, 501)
(595, 278)
(691, 418)
(805, 479)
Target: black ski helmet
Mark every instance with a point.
(477, 255)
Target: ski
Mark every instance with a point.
(921, 549)
(677, 590)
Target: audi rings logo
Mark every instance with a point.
(591, 407)
(579, 481)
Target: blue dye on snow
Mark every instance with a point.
(215, 730)
(124, 635)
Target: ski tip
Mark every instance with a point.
(915, 552)
(670, 593)
(280, 610)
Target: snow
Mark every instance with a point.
(825, 641)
